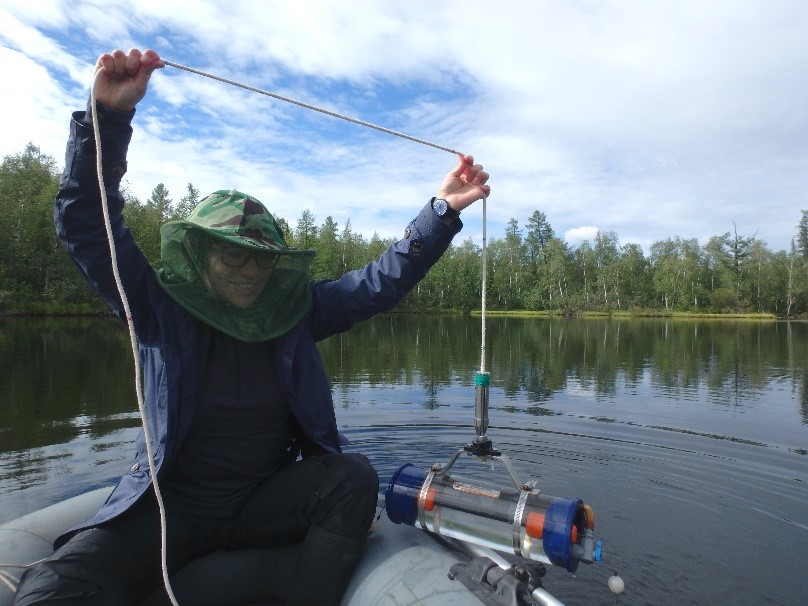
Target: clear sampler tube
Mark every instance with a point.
(528, 523)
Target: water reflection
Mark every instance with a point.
(61, 379)
(66, 385)
(682, 435)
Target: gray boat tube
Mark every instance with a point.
(400, 564)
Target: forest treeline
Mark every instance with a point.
(530, 267)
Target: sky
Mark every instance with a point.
(651, 119)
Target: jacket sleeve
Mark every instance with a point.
(382, 284)
(78, 215)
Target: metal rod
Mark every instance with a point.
(481, 404)
(484, 288)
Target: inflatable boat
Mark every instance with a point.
(438, 540)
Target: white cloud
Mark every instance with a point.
(652, 120)
(40, 113)
(577, 235)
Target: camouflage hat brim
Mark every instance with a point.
(236, 218)
(233, 213)
(176, 231)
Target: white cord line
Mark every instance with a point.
(484, 290)
(39, 561)
(9, 581)
(133, 339)
(312, 107)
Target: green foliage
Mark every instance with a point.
(328, 262)
(186, 203)
(529, 269)
(802, 235)
(34, 268)
(722, 300)
(305, 234)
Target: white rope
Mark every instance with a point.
(34, 563)
(312, 107)
(484, 289)
(133, 339)
(9, 581)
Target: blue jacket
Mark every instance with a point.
(167, 334)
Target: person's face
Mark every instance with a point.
(237, 275)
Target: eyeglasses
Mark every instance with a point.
(236, 257)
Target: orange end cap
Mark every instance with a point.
(534, 526)
(429, 500)
(574, 534)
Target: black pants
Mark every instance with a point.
(315, 512)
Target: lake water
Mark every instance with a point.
(688, 438)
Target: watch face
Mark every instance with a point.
(440, 207)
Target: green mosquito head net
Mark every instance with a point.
(234, 219)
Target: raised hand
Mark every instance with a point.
(465, 184)
(121, 78)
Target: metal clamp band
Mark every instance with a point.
(517, 521)
(422, 498)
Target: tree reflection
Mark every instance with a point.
(63, 378)
(535, 359)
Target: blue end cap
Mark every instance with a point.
(401, 497)
(557, 529)
(598, 550)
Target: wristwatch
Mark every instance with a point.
(443, 210)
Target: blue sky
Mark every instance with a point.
(652, 119)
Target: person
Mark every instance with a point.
(236, 397)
